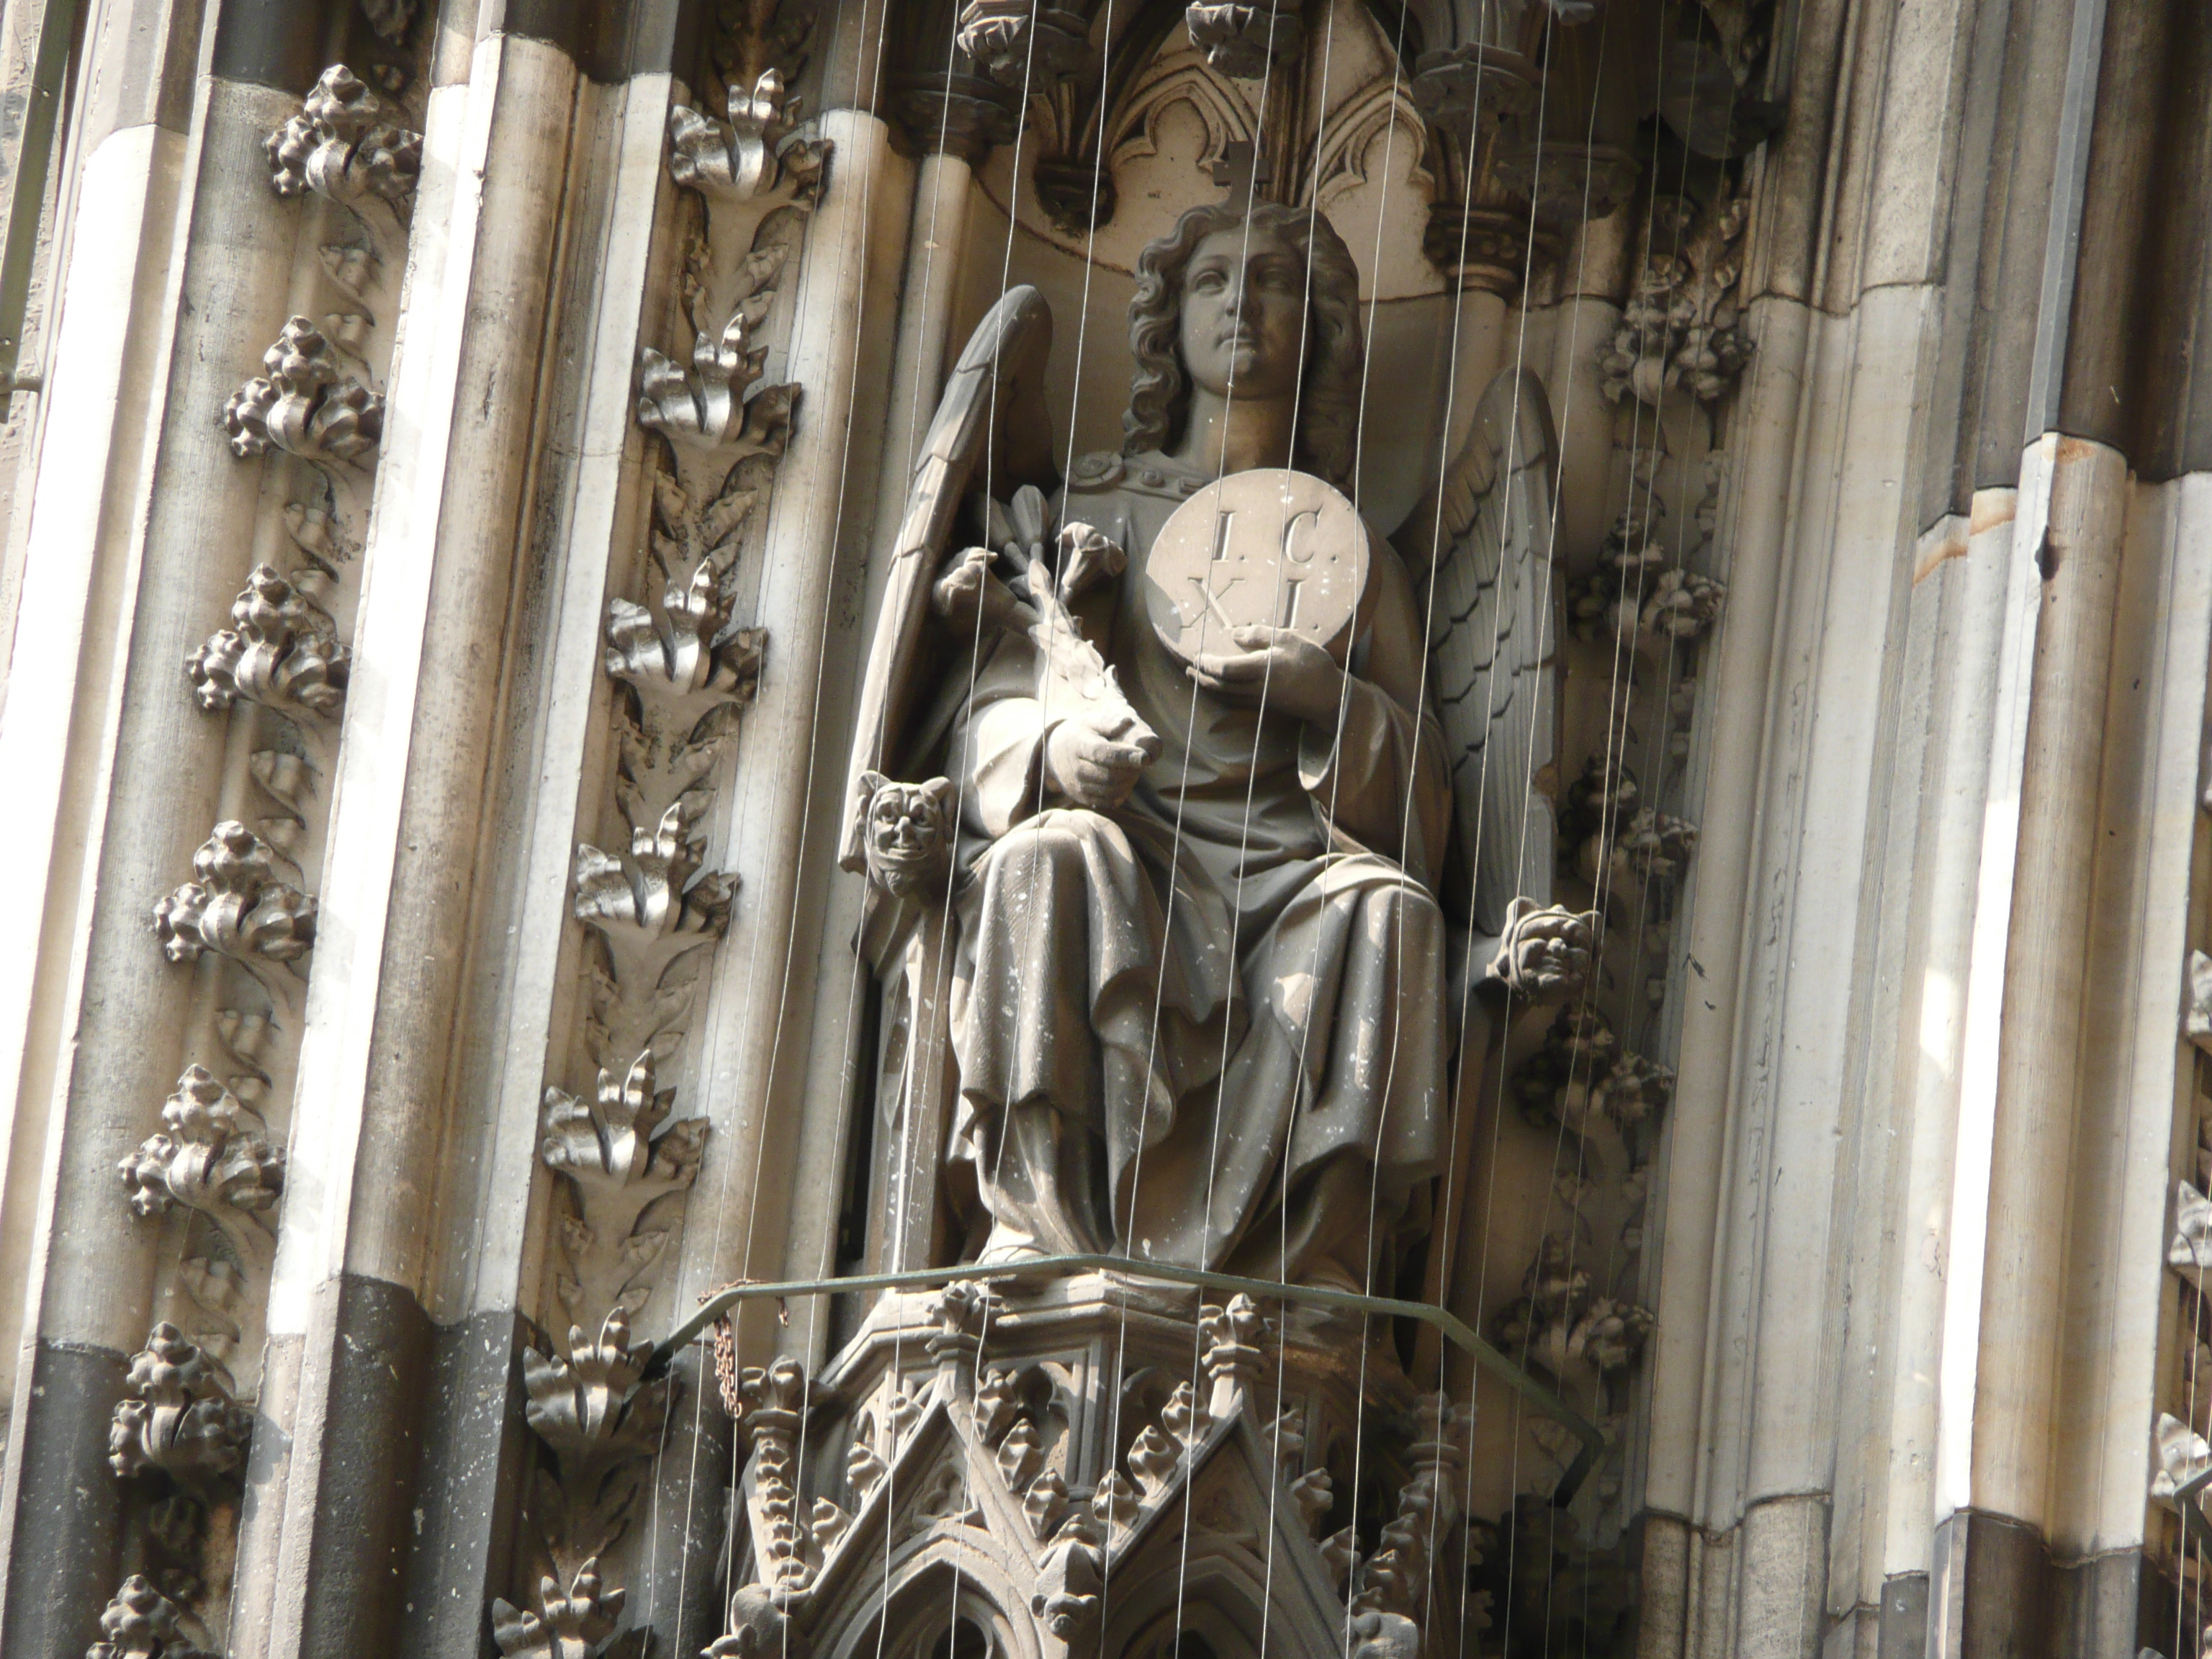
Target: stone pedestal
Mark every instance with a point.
(1062, 1461)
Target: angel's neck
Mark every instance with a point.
(1226, 435)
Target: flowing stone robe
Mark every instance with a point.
(1165, 1014)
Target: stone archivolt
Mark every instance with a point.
(685, 673)
(279, 675)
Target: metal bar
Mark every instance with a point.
(26, 185)
(1454, 1329)
(2195, 1527)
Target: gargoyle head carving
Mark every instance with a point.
(907, 828)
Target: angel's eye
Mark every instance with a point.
(1208, 282)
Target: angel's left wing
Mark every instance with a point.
(992, 411)
(1479, 543)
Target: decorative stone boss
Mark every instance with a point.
(1196, 811)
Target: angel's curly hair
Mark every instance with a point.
(1159, 392)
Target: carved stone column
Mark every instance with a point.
(2014, 1427)
(136, 551)
(942, 196)
(776, 830)
(350, 1331)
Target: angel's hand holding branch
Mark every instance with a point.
(972, 599)
(1092, 767)
(1279, 667)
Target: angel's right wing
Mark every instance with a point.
(1481, 543)
(991, 428)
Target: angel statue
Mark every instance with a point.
(1204, 736)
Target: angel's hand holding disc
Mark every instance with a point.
(1291, 673)
(1093, 769)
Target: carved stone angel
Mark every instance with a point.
(1199, 1011)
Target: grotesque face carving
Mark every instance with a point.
(1244, 314)
(908, 830)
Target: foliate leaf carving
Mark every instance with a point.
(594, 1407)
(689, 673)
(219, 1290)
(997, 1403)
(1457, 87)
(1395, 1582)
(706, 407)
(1152, 1460)
(2197, 1009)
(864, 1470)
(142, 1623)
(774, 1395)
(282, 651)
(578, 1623)
(2191, 1247)
(180, 1416)
(1114, 1505)
(1185, 1415)
(1681, 605)
(1240, 40)
(236, 907)
(607, 1144)
(213, 1155)
(1044, 1505)
(1621, 844)
(756, 156)
(1651, 846)
(828, 1524)
(1681, 329)
(1019, 43)
(308, 401)
(2182, 1456)
(1580, 1078)
(1639, 594)
(680, 666)
(389, 18)
(341, 145)
(651, 908)
(759, 1628)
(1561, 1323)
(601, 1418)
(617, 1170)
(1021, 1455)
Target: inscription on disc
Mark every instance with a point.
(1265, 546)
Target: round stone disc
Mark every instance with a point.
(1269, 545)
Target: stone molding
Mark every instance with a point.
(683, 670)
(244, 921)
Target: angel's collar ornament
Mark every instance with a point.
(1225, 791)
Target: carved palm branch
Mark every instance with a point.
(1480, 543)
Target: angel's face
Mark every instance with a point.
(1243, 315)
